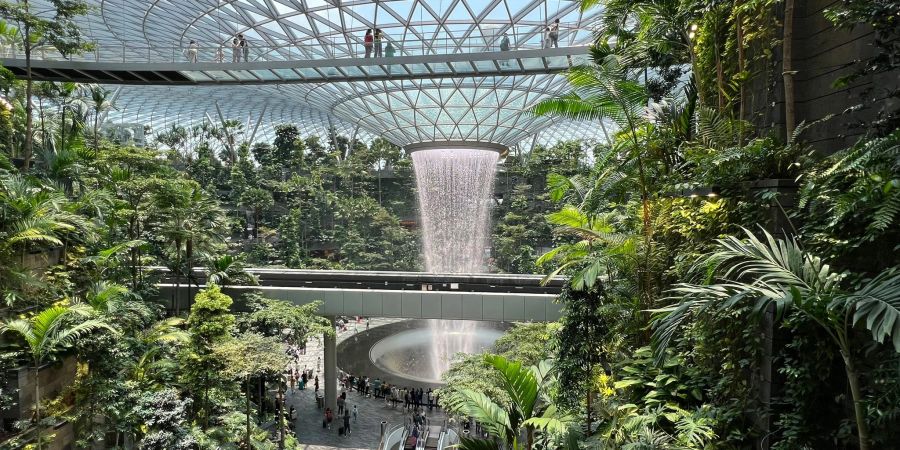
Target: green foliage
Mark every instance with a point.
(525, 410)
(780, 274)
(270, 317)
(251, 354)
(164, 414)
(851, 204)
(526, 343)
(210, 321)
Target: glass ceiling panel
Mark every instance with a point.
(403, 110)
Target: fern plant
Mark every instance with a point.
(851, 201)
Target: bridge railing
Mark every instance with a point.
(305, 50)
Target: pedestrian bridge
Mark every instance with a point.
(410, 295)
(488, 63)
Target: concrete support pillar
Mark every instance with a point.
(329, 360)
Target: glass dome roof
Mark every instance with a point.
(404, 110)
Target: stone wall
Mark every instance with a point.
(822, 55)
(53, 377)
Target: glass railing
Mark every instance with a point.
(307, 50)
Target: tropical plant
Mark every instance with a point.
(227, 270)
(250, 355)
(210, 324)
(762, 272)
(602, 91)
(31, 216)
(49, 333)
(38, 28)
(100, 102)
(851, 204)
(528, 410)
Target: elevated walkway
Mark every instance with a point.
(409, 295)
(151, 71)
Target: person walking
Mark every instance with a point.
(192, 51)
(355, 413)
(317, 383)
(553, 34)
(367, 43)
(378, 38)
(347, 422)
(341, 402)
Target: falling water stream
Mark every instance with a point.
(455, 187)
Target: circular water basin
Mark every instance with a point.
(415, 351)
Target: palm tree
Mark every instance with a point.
(119, 303)
(49, 333)
(601, 247)
(226, 270)
(100, 103)
(528, 411)
(602, 92)
(193, 220)
(30, 216)
(779, 272)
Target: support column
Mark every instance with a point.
(329, 360)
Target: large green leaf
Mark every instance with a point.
(877, 304)
(519, 381)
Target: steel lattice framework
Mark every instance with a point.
(406, 111)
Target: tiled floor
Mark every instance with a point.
(365, 432)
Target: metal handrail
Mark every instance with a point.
(386, 439)
(303, 50)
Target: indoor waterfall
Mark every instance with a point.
(455, 188)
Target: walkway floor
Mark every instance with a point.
(365, 432)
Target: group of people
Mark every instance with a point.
(296, 377)
(343, 324)
(240, 51)
(372, 44)
(551, 35)
(393, 395)
(411, 398)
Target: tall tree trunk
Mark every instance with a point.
(720, 75)
(62, 128)
(587, 431)
(29, 88)
(741, 68)
(247, 407)
(189, 256)
(859, 407)
(787, 67)
(96, 126)
(41, 120)
(37, 405)
(177, 276)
